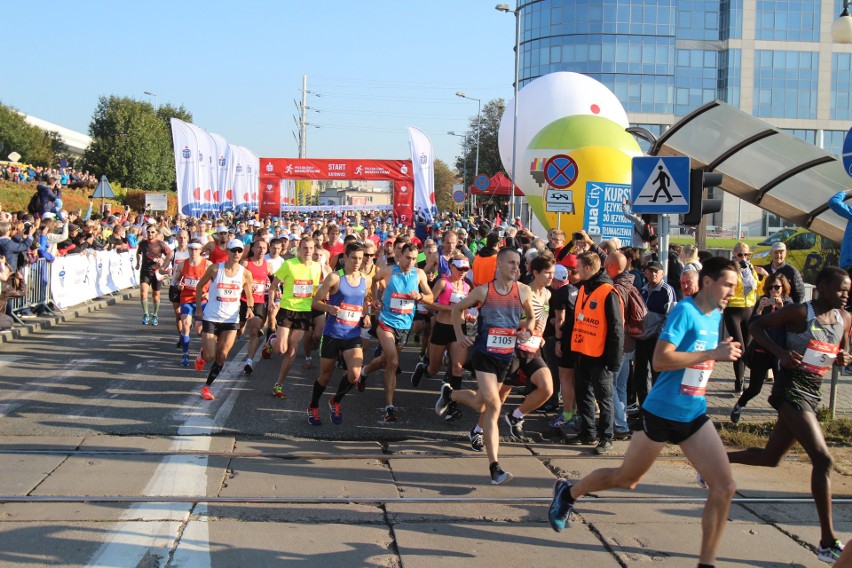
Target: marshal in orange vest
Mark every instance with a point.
(590, 325)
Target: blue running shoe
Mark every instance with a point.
(145, 319)
(155, 320)
(184, 361)
(336, 414)
(560, 509)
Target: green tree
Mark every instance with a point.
(36, 146)
(489, 154)
(132, 144)
(444, 180)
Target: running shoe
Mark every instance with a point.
(444, 400)
(336, 415)
(603, 448)
(313, 416)
(830, 553)
(309, 362)
(700, 480)
(206, 394)
(362, 383)
(581, 441)
(341, 363)
(499, 477)
(453, 413)
(477, 444)
(247, 366)
(516, 426)
(199, 363)
(632, 409)
(155, 320)
(145, 320)
(735, 413)
(390, 414)
(184, 361)
(278, 391)
(559, 421)
(561, 506)
(418, 373)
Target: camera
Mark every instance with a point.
(743, 264)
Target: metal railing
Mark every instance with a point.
(37, 294)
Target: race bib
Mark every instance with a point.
(501, 340)
(349, 314)
(259, 287)
(533, 344)
(422, 309)
(303, 289)
(226, 292)
(694, 381)
(401, 303)
(190, 282)
(819, 357)
(455, 298)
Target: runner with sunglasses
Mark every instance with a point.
(151, 256)
(221, 314)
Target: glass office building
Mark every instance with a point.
(663, 58)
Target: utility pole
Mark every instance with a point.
(303, 124)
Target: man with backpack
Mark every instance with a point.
(634, 326)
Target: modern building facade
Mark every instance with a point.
(773, 59)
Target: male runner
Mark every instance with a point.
(817, 338)
(185, 278)
(440, 259)
(400, 287)
(675, 410)
(151, 256)
(215, 249)
(221, 314)
(298, 279)
(502, 301)
(181, 253)
(261, 271)
(347, 310)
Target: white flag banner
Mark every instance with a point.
(202, 162)
(424, 175)
(241, 196)
(185, 146)
(223, 182)
(252, 173)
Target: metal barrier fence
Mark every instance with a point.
(37, 294)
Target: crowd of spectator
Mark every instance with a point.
(68, 177)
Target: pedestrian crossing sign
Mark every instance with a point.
(660, 184)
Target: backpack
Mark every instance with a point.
(634, 312)
(34, 206)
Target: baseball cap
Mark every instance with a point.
(222, 229)
(653, 265)
(778, 246)
(461, 263)
(49, 215)
(235, 244)
(568, 261)
(560, 272)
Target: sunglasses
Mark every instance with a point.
(369, 255)
(775, 287)
(743, 254)
(236, 251)
(464, 269)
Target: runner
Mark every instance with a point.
(502, 301)
(399, 287)
(447, 292)
(185, 278)
(298, 278)
(348, 308)
(440, 259)
(274, 258)
(816, 338)
(151, 256)
(261, 271)
(528, 352)
(181, 253)
(311, 340)
(675, 410)
(221, 314)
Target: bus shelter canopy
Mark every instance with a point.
(761, 164)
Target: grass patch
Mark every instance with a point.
(715, 243)
(837, 432)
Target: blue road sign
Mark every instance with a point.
(847, 153)
(561, 171)
(660, 185)
(481, 182)
(458, 196)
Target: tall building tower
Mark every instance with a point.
(773, 59)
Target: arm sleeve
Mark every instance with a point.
(614, 347)
(840, 207)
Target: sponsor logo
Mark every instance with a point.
(404, 169)
(222, 161)
(270, 167)
(239, 168)
(186, 153)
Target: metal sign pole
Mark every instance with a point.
(663, 252)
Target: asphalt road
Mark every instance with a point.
(106, 373)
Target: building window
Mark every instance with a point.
(785, 84)
(841, 83)
(788, 20)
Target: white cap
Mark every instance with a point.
(236, 244)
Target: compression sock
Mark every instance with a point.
(145, 306)
(184, 343)
(156, 308)
(317, 393)
(344, 387)
(214, 372)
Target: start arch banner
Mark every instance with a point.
(277, 174)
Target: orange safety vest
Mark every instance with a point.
(590, 325)
(484, 269)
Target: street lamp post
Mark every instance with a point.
(517, 13)
(150, 94)
(841, 29)
(478, 122)
(464, 169)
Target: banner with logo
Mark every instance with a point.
(424, 175)
(288, 170)
(185, 146)
(77, 278)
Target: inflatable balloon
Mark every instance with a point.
(571, 139)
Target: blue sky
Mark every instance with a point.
(373, 67)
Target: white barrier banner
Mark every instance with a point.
(80, 277)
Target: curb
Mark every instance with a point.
(48, 322)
